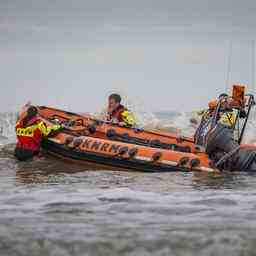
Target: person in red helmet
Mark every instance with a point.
(30, 131)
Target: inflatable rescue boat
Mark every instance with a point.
(86, 139)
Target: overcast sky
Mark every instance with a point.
(169, 55)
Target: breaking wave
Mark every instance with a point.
(7, 124)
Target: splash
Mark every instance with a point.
(250, 135)
(7, 124)
(142, 114)
(146, 118)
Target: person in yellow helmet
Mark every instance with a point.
(119, 114)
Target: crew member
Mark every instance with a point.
(117, 113)
(30, 131)
(206, 121)
(226, 115)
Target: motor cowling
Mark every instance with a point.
(220, 141)
(220, 138)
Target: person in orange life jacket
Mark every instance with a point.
(30, 131)
(117, 113)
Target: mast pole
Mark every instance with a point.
(253, 67)
(228, 66)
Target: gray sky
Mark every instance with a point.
(170, 55)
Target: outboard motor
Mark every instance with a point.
(220, 138)
(220, 141)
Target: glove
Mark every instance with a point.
(56, 127)
(242, 114)
(115, 121)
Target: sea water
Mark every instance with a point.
(51, 207)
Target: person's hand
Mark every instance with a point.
(242, 114)
(122, 124)
(115, 121)
(56, 127)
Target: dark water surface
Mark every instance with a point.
(50, 207)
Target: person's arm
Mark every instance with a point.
(128, 119)
(46, 130)
(200, 112)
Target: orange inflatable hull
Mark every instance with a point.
(120, 147)
(105, 130)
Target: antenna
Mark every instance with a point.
(229, 65)
(253, 67)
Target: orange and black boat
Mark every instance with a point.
(86, 139)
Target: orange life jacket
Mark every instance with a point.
(117, 114)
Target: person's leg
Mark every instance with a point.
(23, 154)
(37, 155)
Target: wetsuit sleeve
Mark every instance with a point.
(46, 130)
(128, 118)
